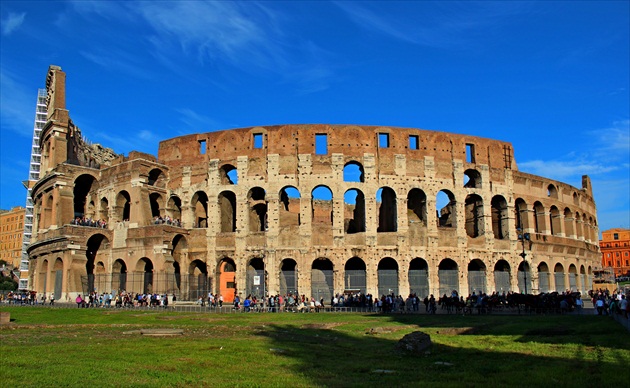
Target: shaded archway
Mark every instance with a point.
(93, 245)
(524, 278)
(476, 277)
(119, 275)
(290, 207)
(227, 209)
(387, 210)
(58, 271)
(499, 217)
(502, 282)
(43, 277)
(520, 215)
(419, 277)
(123, 206)
(200, 208)
(569, 229)
(474, 216)
(573, 286)
(174, 209)
(558, 273)
(228, 174)
(288, 277)
(103, 211)
(156, 178)
(472, 179)
(155, 200)
(322, 208)
(322, 280)
(227, 279)
(82, 186)
(446, 209)
(416, 208)
(256, 279)
(539, 217)
(554, 220)
(355, 276)
(145, 266)
(198, 280)
(257, 210)
(448, 275)
(387, 277)
(354, 211)
(543, 277)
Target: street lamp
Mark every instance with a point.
(523, 236)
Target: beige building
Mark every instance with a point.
(11, 232)
(306, 209)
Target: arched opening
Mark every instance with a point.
(58, 271)
(573, 286)
(524, 278)
(145, 265)
(569, 230)
(200, 208)
(198, 280)
(539, 217)
(499, 217)
(322, 280)
(354, 211)
(82, 186)
(584, 284)
(119, 275)
(353, 172)
(179, 253)
(576, 199)
(387, 277)
(256, 279)
(520, 213)
(123, 206)
(228, 174)
(472, 179)
(227, 279)
(387, 210)
(474, 216)
(558, 273)
(502, 277)
(288, 277)
(579, 230)
(446, 209)
(448, 275)
(322, 208)
(476, 277)
(174, 210)
(552, 191)
(543, 277)
(156, 178)
(155, 200)
(103, 213)
(93, 245)
(416, 208)
(257, 210)
(290, 207)
(419, 277)
(43, 277)
(227, 208)
(554, 220)
(355, 276)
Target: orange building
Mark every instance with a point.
(615, 247)
(11, 232)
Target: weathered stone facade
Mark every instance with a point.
(252, 217)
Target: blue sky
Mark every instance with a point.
(552, 78)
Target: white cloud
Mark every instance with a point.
(12, 22)
(117, 61)
(560, 170)
(197, 122)
(18, 105)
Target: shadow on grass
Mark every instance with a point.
(341, 357)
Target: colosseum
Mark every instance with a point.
(307, 209)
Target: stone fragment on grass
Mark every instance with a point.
(416, 343)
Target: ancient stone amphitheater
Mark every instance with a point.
(307, 209)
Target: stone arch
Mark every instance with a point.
(520, 213)
(145, 266)
(179, 254)
(543, 277)
(539, 217)
(174, 208)
(419, 277)
(585, 285)
(554, 220)
(198, 280)
(123, 206)
(42, 277)
(103, 212)
(228, 174)
(355, 275)
(472, 178)
(257, 205)
(288, 277)
(47, 210)
(290, 207)
(573, 278)
(354, 211)
(552, 191)
(579, 230)
(322, 279)
(558, 273)
(83, 184)
(227, 208)
(502, 282)
(387, 210)
(353, 172)
(156, 178)
(387, 276)
(569, 223)
(227, 279)
(474, 216)
(256, 279)
(446, 209)
(448, 275)
(155, 199)
(119, 275)
(416, 208)
(93, 245)
(524, 278)
(500, 218)
(58, 271)
(199, 204)
(322, 207)
(476, 277)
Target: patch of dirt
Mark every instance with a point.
(321, 326)
(457, 330)
(551, 331)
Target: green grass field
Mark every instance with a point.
(45, 347)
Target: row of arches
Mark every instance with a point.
(552, 221)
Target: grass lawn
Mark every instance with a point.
(45, 347)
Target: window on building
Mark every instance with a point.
(470, 153)
(202, 147)
(321, 144)
(414, 142)
(616, 236)
(258, 140)
(383, 140)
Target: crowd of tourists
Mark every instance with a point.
(167, 220)
(609, 303)
(86, 221)
(123, 299)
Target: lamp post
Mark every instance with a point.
(523, 236)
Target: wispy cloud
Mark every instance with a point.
(12, 22)
(18, 105)
(196, 121)
(117, 61)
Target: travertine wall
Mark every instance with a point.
(226, 188)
